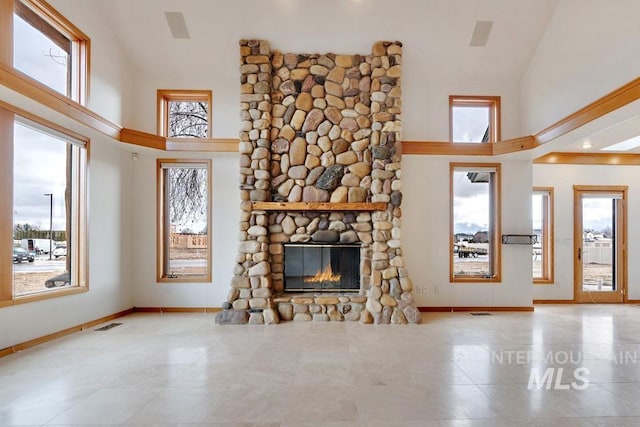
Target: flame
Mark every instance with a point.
(325, 275)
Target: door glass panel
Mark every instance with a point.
(537, 213)
(598, 243)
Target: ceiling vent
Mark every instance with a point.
(176, 23)
(481, 33)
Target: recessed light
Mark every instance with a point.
(626, 145)
(586, 145)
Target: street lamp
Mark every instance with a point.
(50, 220)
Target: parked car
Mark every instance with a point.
(58, 281)
(21, 255)
(59, 251)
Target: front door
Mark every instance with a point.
(600, 244)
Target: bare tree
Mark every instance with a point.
(188, 119)
(188, 195)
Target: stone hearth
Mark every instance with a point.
(320, 161)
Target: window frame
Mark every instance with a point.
(165, 96)
(547, 233)
(8, 117)
(80, 46)
(161, 277)
(492, 102)
(495, 209)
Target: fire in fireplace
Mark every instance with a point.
(321, 268)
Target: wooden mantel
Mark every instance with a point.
(325, 206)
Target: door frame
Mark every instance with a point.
(621, 242)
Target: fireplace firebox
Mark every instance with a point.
(321, 268)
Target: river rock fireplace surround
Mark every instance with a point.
(320, 164)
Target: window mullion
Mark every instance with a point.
(6, 206)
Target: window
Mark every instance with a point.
(474, 118)
(50, 49)
(542, 214)
(47, 166)
(184, 113)
(475, 222)
(184, 209)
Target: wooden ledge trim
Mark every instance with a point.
(598, 108)
(210, 145)
(143, 139)
(31, 88)
(607, 159)
(302, 206)
(446, 148)
(514, 145)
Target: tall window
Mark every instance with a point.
(474, 118)
(475, 222)
(542, 214)
(184, 113)
(50, 49)
(49, 210)
(184, 209)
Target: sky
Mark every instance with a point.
(470, 123)
(39, 168)
(470, 204)
(39, 159)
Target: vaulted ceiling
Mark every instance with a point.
(432, 31)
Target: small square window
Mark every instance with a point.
(184, 113)
(474, 119)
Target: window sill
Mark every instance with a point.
(44, 296)
(476, 279)
(182, 280)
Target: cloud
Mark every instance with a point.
(39, 168)
(463, 187)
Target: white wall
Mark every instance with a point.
(110, 76)
(425, 237)
(110, 193)
(110, 254)
(224, 228)
(562, 178)
(589, 49)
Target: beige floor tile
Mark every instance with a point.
(182, 370)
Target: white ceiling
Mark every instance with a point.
(432, 31)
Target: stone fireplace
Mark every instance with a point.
(320, 166)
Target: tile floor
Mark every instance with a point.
(453, 370)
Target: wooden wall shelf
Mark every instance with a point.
(302, 206)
